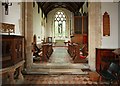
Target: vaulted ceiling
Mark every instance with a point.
(71, 6)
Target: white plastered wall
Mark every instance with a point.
(39, 24)
(112, 40)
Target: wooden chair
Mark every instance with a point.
(112, 74)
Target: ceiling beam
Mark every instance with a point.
(71, 6)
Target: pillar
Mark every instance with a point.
(119, 24)
(28, 34)
(94, 28)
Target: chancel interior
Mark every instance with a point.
(59, 43)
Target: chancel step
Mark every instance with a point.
(56, 71)
(60, 66)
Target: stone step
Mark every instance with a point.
(60, 66)
(56, 71)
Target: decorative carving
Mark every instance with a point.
(106, 24)
(7, 28)
(18, 47)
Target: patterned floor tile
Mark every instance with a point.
(61, 79)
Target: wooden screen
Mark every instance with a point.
(81, 24)
(78, 24)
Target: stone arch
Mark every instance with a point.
(94, 13)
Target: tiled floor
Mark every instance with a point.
(58, 79)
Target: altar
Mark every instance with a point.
(61, 41)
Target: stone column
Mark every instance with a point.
(94, 10)
(28, 34)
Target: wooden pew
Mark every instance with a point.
(71, 49)
(78, 58)
(47, 51)
(75, 51)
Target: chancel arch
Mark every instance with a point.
(69, 25)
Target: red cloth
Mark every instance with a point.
(82, 57)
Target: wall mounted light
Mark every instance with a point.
(6, 4)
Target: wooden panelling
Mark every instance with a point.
(78, 24)
(12, 48)
(78, 38)
(81, 24)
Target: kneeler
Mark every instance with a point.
(82, 57)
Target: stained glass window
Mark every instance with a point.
(60, 24)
